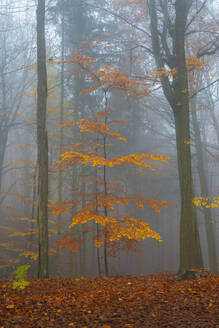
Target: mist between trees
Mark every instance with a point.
(109, 137)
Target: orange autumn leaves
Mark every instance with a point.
(109, 79)
(97, 127)
(112, 302)
(130, 228)
(114, 227)
(70, 158)
(123, 227)
(106, 77)
(117, 228)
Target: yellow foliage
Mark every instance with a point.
(98, 243)
(32, 255)
(96, 127)
(70, 158)
(208, 202)
(130, 228)
(28, 220)
(22, 234)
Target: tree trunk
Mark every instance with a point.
(212, 254)
(177, 94)
(42, 142)
(83, 233)
(190, 249)
(61, 137)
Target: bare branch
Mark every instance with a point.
(112, 13)
(207, 86)
(209, 49)
(197, 12)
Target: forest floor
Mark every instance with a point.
(128, 302)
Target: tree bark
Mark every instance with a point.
(177, 94)
(42, 142)
(212, 253)
(61, 137)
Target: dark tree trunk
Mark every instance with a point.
(42, 142)
(177, 94)
(190, 250)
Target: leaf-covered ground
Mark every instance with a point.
(149, 301)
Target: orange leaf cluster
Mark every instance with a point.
(70, 158)
(62, 207)
(108, 78)
(79, 59)
(130, 228)
(108, 200)
(67, 242)
(194, 63)
(96, 127)
(99, 127)
(153, 203)
(163, 72)
(105, 77)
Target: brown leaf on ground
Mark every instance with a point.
(133, 302)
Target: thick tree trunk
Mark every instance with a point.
(190, 250)
(177, 94)
(42, 142)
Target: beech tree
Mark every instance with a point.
(169, 24)
(115, 228)
(42, 142)
(177, 94)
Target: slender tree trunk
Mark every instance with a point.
(75, 181)
(84, 234)
(61, 118)
(4, 129)
(212, 254)
(106, 267)
(97, 227)
(34, 199)
(74, 234)
(42, 142)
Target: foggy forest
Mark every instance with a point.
(109, 150)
